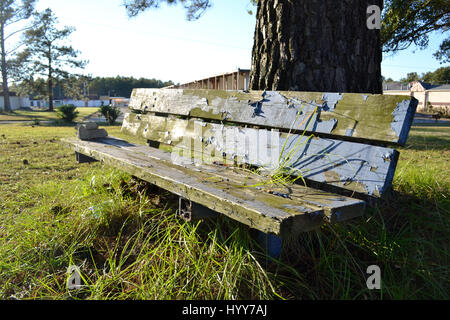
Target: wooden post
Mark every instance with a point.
(271, 244)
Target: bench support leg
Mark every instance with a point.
(189, 210)
(153, 144)
(81, 158)
(270, 243)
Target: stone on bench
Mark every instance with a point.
(89, 131)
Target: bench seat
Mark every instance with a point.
(341, 146)
(277, 210)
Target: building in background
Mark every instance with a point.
(435, 96)
(15, 101)
(431, 97)
(119, 101)
(237, 80)
(89, 101)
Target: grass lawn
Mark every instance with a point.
(127, 243)
(25, 115)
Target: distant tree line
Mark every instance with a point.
(122, 86)
(79, 87)
(439, 76)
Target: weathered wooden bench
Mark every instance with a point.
(205, 146)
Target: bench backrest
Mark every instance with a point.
(334, 139)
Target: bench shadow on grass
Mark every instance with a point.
(428, 143)
(402, 219)
(303, 262)
(425, 137)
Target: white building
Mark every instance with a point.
(16, 102)
(76, 103)
(101, 101)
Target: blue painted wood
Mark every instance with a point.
(271, 244)
(347, 116)
(353, 166)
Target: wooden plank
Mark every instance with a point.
(347, 165)
(352, 116)
(222, 189)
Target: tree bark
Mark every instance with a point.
(50, 80)
(6, 100)
(316, 45)
(50, 93)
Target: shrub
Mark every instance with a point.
(67, 112)
(36, 121)
(110, 113)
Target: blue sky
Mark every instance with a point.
(161, 44)
(397, 65)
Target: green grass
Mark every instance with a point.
(128, 243)
(42, 115)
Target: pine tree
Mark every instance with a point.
(47, 53)
(12, 13)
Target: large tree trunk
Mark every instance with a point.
(50, 84)
(6, 100)
(316, 45)
(50, 94)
